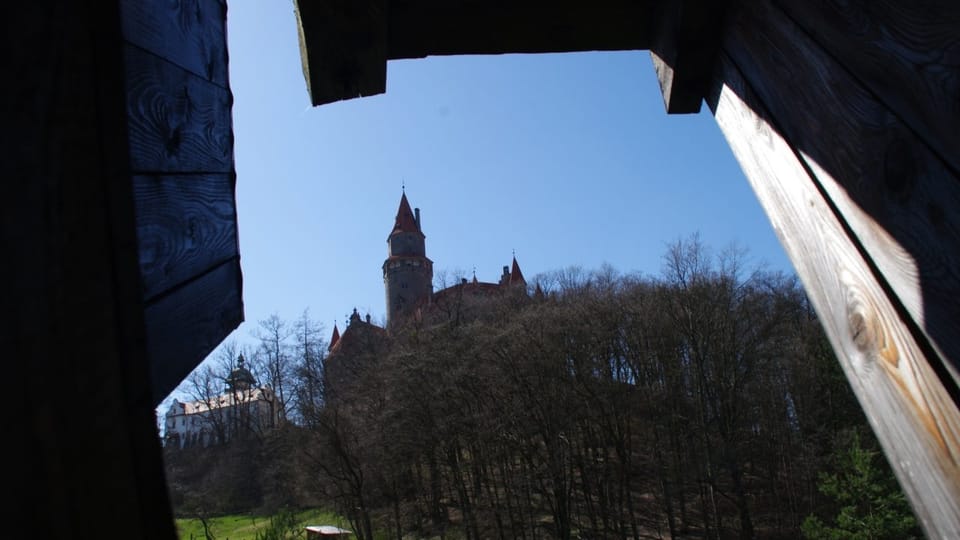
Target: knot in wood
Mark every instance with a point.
(867, 329)
(862, 328)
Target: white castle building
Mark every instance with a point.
(243, 409)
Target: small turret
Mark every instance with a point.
(538, 292)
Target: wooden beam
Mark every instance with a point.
(686, 40)
(179, 122)
(807, 150)
(87, 439)
(897, 195)
(907, 406)
(343, 48)
(420, 28)
(189, 321)
(344, 45)
(186, 225)
(191, 35)
(181, 153)
(907, 54)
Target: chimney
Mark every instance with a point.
(416, 212)
(463, 281)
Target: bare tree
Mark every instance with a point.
(273, 352)
(309, 353)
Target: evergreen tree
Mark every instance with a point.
(871, 504)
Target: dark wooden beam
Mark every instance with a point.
(87, 441)
(191, 34)
(420, 28)
(345, 45)
(686, 40)
(179, 120)
(865, 209)
(189, 321)
(906, 53)
(343, 48)
(186, 225)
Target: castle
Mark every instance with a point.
(408, 280)
(242, 408)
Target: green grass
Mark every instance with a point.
(245, 527)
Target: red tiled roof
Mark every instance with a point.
(471, 287)
(350, 337)
(516, 276)
(405, 222)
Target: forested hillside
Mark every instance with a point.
(703, 402)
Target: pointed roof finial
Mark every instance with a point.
(403, 185)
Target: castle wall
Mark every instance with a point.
(407, 244)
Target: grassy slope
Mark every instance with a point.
(245, 527)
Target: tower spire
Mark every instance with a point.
(406, 221)
(516, 276)
(335, 337)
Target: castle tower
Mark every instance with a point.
(407, 272)
(240, 379)
(512, 276)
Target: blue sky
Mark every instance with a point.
(566, 159)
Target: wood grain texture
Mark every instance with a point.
(897, 196)
(907, 54)
(188, 33)
(89, 447)
(186, 324)
(343, 48)
(185, 226)
(178, 122)
(909, 409)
